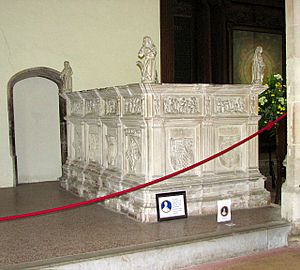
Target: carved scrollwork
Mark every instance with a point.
(207, 105)
(132, 132)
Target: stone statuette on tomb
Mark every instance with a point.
(66, 76)
(147, 66)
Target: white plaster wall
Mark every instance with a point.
(37, 133)
(100, 38)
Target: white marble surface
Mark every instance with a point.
(119, 137)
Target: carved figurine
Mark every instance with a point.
(111, 149)
(258, 66)
(148, 53)
(66, 76)
(93, 146)
(133, 153)
(253, 105)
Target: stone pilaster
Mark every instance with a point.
(291, 188)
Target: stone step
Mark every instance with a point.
(226, 242)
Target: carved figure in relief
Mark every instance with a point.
(258, 66)
(253, 104)
(230, 105)
(91, 106)
(148, 53)
(133, 152)
(93, 146)
(66, 76)
(181, 152)
(77, 143)
(110, 106)
(111, 149)
(180, 105)
(133, 105)
(156, 105)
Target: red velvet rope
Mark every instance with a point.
(269, 126)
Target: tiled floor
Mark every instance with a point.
(278, 259)
(90, 230)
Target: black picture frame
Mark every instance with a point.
(175, 202)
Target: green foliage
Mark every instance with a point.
(272, 102)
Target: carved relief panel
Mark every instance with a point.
(181, 105)
(110, 145)
(92, 106)
(77, 106)
(77, 142)
(111, 106)
(230, 105)
(133, 149)
(253, 105)
(156, 105)
(133, 106)
(232, 160)
(93, 144)
(180, 148)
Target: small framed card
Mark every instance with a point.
(224, 211)
(171, 205)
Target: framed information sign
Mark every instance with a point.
(224, 210)
(171, 205)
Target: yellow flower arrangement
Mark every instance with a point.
(272, 102)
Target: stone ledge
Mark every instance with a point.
(176, 253)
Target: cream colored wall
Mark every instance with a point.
(37, 134)
(100, 38)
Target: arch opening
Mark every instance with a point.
(46, 73)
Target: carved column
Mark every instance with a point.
(252, 146)
(208, 150)
(159, 152)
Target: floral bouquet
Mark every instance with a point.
(272, 102)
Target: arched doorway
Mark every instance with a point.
(46, 73)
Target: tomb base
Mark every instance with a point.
(120, 137)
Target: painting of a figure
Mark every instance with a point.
(244, 46)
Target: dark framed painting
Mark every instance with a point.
(244, 44)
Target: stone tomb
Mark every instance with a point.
(119, 137)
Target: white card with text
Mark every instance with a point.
(224, 210)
